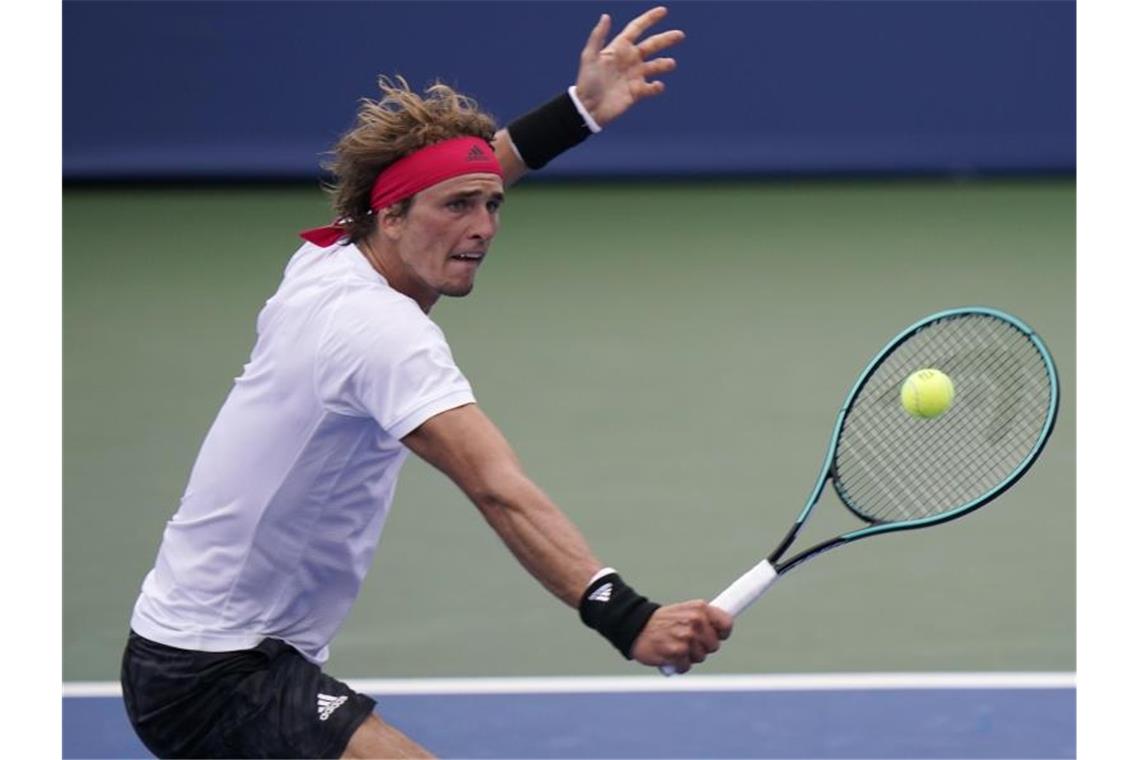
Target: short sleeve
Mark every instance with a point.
(389, 362)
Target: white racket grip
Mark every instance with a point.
(746, 589)
(740, 595)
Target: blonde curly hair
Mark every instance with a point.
(400, 123)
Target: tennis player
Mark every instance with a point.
(283, 511)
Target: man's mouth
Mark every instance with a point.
(471, 256)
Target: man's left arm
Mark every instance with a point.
(611, 78)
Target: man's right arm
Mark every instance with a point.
(466, 446)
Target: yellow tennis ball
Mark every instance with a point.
(927, 393)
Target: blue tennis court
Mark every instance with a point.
(906, 716)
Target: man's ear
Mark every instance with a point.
(390, 222)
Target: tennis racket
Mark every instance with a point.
(898, 472)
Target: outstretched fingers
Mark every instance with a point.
(658, 66)
(597, 39)
(637, 27)
(641, 90)
(658, 42)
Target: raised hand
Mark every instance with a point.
(612, 77)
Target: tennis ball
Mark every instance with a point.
(927, 393)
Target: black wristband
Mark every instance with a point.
(549, 130)
(616, 611)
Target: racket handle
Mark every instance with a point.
(746, 589)
(740, 595)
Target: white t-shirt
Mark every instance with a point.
(291, 488)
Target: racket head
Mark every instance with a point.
(895, 471)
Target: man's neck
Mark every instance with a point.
(391, 267)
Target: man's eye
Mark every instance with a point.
(458, 204)
(494, 206)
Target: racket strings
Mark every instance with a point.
(1003, 414)
(902, 500)
(1000, 419)
(889, 398)
(891, 466)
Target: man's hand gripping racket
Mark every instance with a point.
(899, 461)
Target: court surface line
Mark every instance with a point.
(620, 684)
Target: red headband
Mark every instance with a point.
(417, 171)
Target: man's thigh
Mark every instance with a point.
(375, 738)
(264, 702)
(293, 709)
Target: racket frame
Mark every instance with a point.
(750, 586)
(877, 527)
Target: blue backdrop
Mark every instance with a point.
(177, 90)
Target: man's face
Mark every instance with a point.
(446, 233)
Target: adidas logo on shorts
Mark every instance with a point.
(602, 594)
(327, 703)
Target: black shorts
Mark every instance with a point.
(268, 701)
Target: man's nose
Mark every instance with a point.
(486, 225)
